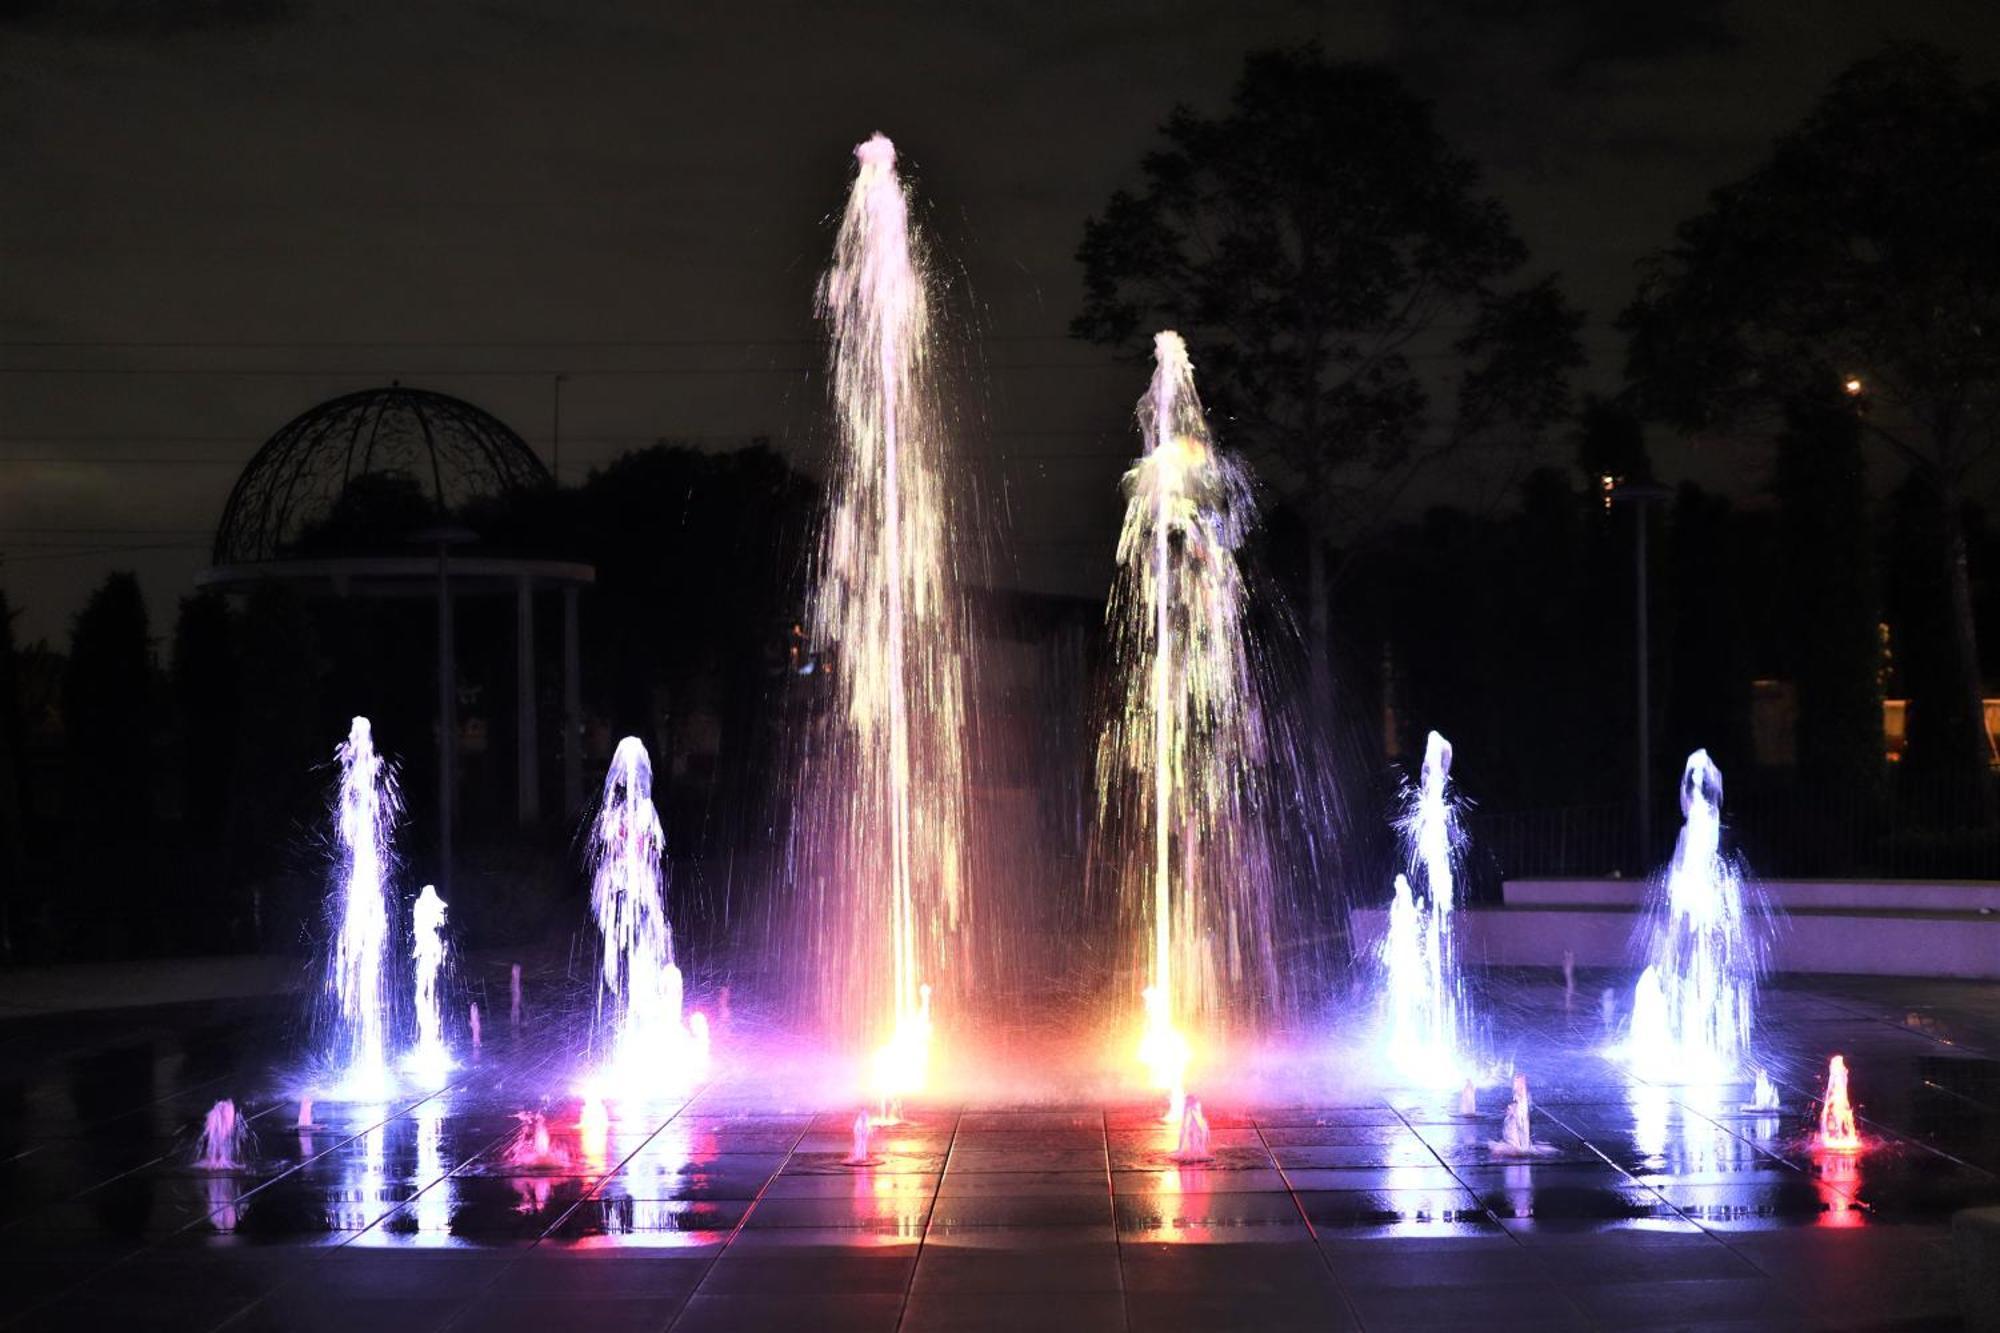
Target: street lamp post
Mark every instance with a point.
(1640, 495)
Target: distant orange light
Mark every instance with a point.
(1854, 386)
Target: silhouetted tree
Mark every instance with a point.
(1830, 611)
(1860, 256)
(108, 713)
(206, 692)
(1337, 272)
(1706, 684)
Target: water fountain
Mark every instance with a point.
(1183, 762)
(1764, 1097)
(1423, 991)
(879, 849)
(1517, 1137)
(1837, 1130)
(646, 1044)
(860, 1152)
(365, 811)
(1695, 1003)
(224, 1144)
(431, 1060)
(1193, 1148)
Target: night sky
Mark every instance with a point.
(211, 221)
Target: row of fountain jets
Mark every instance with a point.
(1188, 758)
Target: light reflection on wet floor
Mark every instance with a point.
(710, 1212)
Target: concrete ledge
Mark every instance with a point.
(1794, 895)
(1935, 944)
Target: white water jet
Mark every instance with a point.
(883, 804)
(1765, 1096)
(224, 1144)
(1695, 1005)
(1517, 1137)
(1423, 993)
(365, 811)
(431, 1059)
(472, 1020)
(646, 1046)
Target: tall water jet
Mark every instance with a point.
(1183, 762)
(881, 853)
(1423, 991)
(431, 1060)
(365, 811)
(646, 1044)
(1695, 1005)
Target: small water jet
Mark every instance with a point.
(1764, 1097)
(1517, 1137)
(1193, 1148)
(514, 998)
(648, 1047)
(533, 1147)
(860, 1152)
(472, 1021)
(224, 1144)
(431, 1059)
(1695, 1005)
(305, 1120)
(365, 811)
(1837, 1130)
(1468, 1099)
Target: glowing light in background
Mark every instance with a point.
(365, 810)
(1695, 1004)
(883, 855)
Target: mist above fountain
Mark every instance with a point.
(1423, 992)
(644, 1043)
(365, 811)
(879, 846)
(1694, 1007)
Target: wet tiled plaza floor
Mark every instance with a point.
(1659, 1206)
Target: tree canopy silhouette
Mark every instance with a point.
(1340, 276)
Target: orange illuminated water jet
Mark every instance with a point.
(1836, 1116)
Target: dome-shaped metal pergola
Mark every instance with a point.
(452, 453)
(366, 495)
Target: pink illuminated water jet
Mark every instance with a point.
(224, 1144)
(1837, 1131)
(1193, 1148)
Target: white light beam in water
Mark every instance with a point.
(364, 812)
(431, 1060)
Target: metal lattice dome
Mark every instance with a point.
(438, 453)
